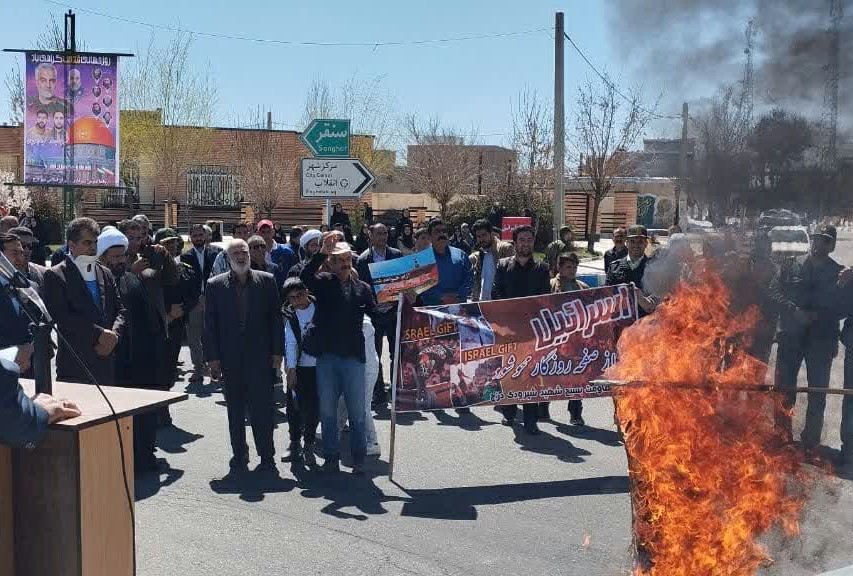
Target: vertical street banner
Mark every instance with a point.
(416, 273)
(71, 119)
(510, 223)
(535, 349)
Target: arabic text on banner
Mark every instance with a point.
(416, 272)
(535, 349)
(71, 119)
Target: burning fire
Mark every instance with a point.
(709, 473)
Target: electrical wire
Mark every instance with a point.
(613, 86)
(114, 418)
(374, 45)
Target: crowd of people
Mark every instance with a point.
(296, 307)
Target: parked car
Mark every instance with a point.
(786, 241)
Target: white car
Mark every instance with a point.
(786, 241)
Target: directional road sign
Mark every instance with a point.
(325, 137)
(334, 178)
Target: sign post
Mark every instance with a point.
(329, 178)
(327, 138)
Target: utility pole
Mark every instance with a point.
(559, 124)
(682, 165)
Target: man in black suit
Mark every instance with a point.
(24, 421)
(201, 257)
(385, 318)
(87, 310)
(29, 243)
(13, 318)
(244, 342)
(632, 267)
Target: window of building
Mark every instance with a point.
(212, 186)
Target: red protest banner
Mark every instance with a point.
(535, 349)
(510, 223)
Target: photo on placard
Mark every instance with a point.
(425, 369)
(475, 383)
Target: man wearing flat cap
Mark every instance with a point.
(807, 293)
(632, 267)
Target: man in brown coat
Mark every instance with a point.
(88, 312)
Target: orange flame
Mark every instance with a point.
(709, 473)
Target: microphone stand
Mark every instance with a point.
(42, 344)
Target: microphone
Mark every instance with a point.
(22, 285)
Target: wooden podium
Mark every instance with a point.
(63, 506)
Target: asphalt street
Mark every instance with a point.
(470, 497)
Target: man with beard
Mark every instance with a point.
(455, 278)
(178, 300)
(516, 277)
(385, 318)
(40, 132)
(485, 259)
(46, 98)
(201, 257)
(220, 265)
(83, 299)
(257, 256)
(75, 87)
(554, 249)
(57, 134)
(141, 356)
(619, 250)
(244, 342)
(309, 242)
(632, 267)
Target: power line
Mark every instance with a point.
(374, 45)
(615, 88)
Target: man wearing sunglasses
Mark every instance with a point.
(29, 243)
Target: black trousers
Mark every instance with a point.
(531, 412)
(385, 326)
(176, 339)
(575, 408)
(257, 396)
(303, 411)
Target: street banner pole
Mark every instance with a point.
(394, 390)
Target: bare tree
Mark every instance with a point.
(173, 106)
(440, 162)
(265, 163)
(723, 132)
(370, 109)
(52, 39)
(533, 142)
(608, 123)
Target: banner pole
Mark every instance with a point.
(396, 364)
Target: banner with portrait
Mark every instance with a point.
(535, 349)
(71, 119)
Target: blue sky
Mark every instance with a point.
(468, 84)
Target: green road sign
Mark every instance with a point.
(327, 137)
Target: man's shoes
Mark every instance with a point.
(531, 428)
(293, 453)
(267, 467)
(463, 410)
(577, 421)
(374, 450)
(331, 466)
(239, 464)
(507, 422)
(358, 468)
(309, 458)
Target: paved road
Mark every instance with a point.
(472, 498)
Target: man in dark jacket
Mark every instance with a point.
(259, 262)
(88, 311)
(24, 421)
(338, 344)
(807, 294)
(29, 243)
(619, 250)
(385, 318)
(631, 268)
(14, 320)
(244, 342)
(178, 300)
(515, 277)
(201, 257)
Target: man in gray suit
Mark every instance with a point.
(244, 342)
